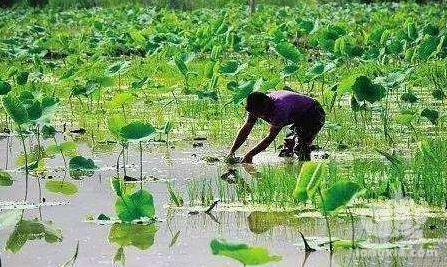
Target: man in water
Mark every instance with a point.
(282, 108)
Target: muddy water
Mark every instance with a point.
(181, 239)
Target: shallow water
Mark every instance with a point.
(183, 239)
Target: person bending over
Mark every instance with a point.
(281, 108)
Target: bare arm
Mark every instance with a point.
(242, 136)
(273, 132)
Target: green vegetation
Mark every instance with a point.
(169, 74)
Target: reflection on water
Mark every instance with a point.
(183, 239)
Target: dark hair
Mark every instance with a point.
(259, 103)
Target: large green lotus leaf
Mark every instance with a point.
(117, 68)
(339, 195)
(79, 163)
(137, 131)
(78, 90)
(5, 178)
(22, 78)
(139, 82)
(117, 186)
(404, 118)
(365, 90)
(428, 47)
(48, 131)
(61, 187)
(136, 36)
(242, 252)
(243, 90)
(32, 230)
(137, 235)
(343, 244)
(269, 85)
(121, 99)
(314, 183)
(438, 94)
(5, 87)
(115, 123)
(68, 148)
(431, 114)
(307, 170)
(231, 67)
(208, 94)
(34, 110)
(409, 97)
(49, 103)
(135, 206)
(288, 51)
(35, 155)
(181, 65)
(289, 69)
(346, 84)
(15, 109)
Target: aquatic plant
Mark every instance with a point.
(132, 205)
(241, 252)
(328, 201)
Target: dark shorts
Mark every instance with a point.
(304, 130)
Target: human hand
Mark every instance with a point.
(232, 159)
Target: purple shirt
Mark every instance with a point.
(289, 107)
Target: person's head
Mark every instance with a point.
(259, 104)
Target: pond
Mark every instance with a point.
(182, 236)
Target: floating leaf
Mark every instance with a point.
(79, 163)
(339, 195)
(62, 187)
(135, 206)
(242, 252)
(15, 109)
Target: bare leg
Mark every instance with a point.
(289, 143)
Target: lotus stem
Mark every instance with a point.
(22, 138)
(141, 165)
